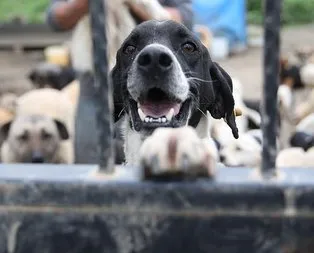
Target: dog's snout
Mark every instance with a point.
(222, 158)
(37, 157)
(165, 60)
(154, 59)
(144, 60)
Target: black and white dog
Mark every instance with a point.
(167, 88)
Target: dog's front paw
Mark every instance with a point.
(172, 152)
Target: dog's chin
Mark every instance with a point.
(158, 109)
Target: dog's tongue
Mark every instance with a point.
(157, 110)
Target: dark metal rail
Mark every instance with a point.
(103, 84)
(272, 10)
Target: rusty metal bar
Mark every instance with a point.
(103, 84)
(272, 9)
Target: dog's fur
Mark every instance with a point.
(35, 139)
(42, 129)
(50, 75)
(245, 151)
(305, 108)
(163, 65)
(306, 125)
(302, 139)
(286, 105)
(295, 157)
(290, 73)
(7, 110)
(72, 91)
(220, 131)
(49, 102)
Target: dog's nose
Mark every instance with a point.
(154, 59)
(37, 157)
(222, 158)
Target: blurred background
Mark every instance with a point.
(235, 27)
(33, 56)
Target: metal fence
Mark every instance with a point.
(271, 82)
(105, 120)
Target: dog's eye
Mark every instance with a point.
(129, 49)
(23, 137)
(238, 149)
(189, 47)
(46, 136)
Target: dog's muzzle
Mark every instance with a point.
(154, 61)
(37, 157)
(159, 89)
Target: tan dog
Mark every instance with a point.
(49, 102)
(35, 139)
(42, 130)
(7, 107)
(7, 110)
(295, 157)
(72, 91)
(306, 107)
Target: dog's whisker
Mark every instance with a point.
(202, 112)
(199, 79)
(189, 73)
(121, 112)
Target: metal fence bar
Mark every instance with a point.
(272, 9)
(103, 84)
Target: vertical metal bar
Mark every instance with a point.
(103, 84)
(272, 9)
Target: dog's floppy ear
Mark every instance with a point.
(116, 78)
(32, 76)
(223, 105)
(4, 130)
(62, 129)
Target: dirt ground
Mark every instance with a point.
(246, 66)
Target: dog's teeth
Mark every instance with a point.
(141, 114)
(155, 120)
(170, 114)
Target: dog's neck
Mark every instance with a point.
(133, 140)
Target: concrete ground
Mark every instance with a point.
(246, 66)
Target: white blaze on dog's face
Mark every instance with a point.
(164, 77)
(34, 138)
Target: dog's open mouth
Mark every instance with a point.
(157, 108)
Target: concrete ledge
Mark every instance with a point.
(29, 36)
(233, 213)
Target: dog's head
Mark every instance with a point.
(51, 75)
(34, 138)
(290, 74)
(164, 77)
(245, 151)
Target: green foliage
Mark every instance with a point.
(33, 11)
(293, 11)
